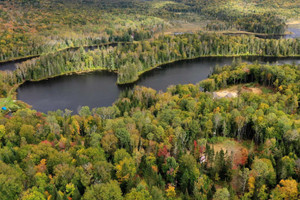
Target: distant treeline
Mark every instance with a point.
(38, 47)
(90, 22)
(261, 19)
(42, 29)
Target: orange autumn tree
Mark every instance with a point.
(240, 158)
(42, 167)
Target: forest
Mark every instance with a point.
(36, 27)
(234, 135)
(152, 145)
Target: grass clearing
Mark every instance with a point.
(10, 104)
(234, 148)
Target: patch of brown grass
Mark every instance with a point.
(235, 149)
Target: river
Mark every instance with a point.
(99, 89)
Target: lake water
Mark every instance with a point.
(99, 89)
(11, 65)
(295, 30)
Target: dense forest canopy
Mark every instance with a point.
(234, 135)
(151, 145)
(33, 27)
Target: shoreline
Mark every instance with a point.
(194, 58)
(149, 69)
(13, 92)
(16, 59)
(16, 86)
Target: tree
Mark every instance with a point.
(262, 193)
(208, 85)
(64, 173)
(240, 123)
(139, 193)
(2, 133)
(90, 155)
(102, 171)
(109, 143)
(263, 171)
(28, 132)
(244, 174)
(84, 111)
(124, 137)
(157, 194)
(107, 112)
(170, 192)
(125, 169)
(223, 166)
(33, 194)
(287, 167)
(288, 189)
(188, 173)
(120, 154)
(41, 180)
(104, 191)
(222, 194)
(203, 188)
(11, 181)
(170, 168)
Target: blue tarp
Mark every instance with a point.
(4, 108)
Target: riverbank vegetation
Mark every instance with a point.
(181, 144)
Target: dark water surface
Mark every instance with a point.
(99, 89)
(12, 65)
(8, 66)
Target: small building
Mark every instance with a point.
(202, 159)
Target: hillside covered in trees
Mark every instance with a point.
(234, 135)
(34, 27)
